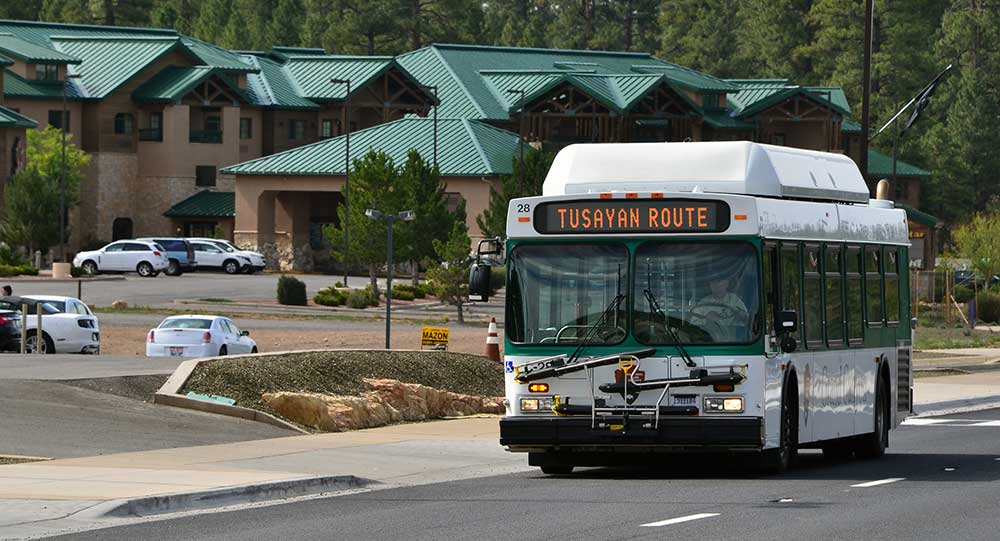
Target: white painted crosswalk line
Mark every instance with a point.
(877, 483)
(679, 520)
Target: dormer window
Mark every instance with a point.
(46, 72)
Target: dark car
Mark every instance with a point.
(180, 254)
(10, 324)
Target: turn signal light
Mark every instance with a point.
(538, 387)
(724, 387)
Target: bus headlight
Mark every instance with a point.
(539, 404)
(724, 404)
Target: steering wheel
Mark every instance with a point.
(708, 311)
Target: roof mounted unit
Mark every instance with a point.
(738, 167)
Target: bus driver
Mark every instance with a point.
(723, 308)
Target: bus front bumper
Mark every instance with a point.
(523, 434)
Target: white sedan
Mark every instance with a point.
(68, 326)
(198, 336)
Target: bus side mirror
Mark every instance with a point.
(788, 321)
(479, 282)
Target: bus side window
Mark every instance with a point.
(770, 293)
(873, 285)
(855, 296)
(834, 294)
(813, 297)
(790, 275)
(892, 286)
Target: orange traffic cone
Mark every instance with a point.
(493, 341)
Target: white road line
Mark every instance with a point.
(916, 421)
(877, 483)
(678, 520)
(987, 423)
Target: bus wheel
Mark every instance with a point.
(557, 469)
(778, 460)
(873, 445)
(550, 463)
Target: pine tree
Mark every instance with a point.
(179, 15)
(211, 23)
(369, 27)
(493, 221)
(247, 25)
(316, 23)
(285, 26)
(700, 35)
(30, 10)
(449, 274)
(771, 35)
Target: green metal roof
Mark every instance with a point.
(918, 216)
(756, 95)
(465, 148)
(205, 204)
(617, 92)
(282, 53)
(880, 165)
(27, 51)
(174, 82)
(16, 86)
(312, 74)
(11, 119)
(4, 61)
(465, 93)
(216, 57)
(271, 87)
(111, 62)
(850, 126)
(723, 121)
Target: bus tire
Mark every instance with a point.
(557, 469)
(873, 445)
(550, 463)
(778, 460)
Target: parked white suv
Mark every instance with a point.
(211, 256)
(143, 257)
(257, 261)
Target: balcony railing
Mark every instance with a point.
(206, 136)
(151, 134)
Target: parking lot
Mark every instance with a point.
(249, 300)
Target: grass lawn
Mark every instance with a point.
(953, 337)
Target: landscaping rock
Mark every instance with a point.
(388, 401)
(119, 305)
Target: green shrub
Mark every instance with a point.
(330, 296)
(291, 291)
(415, 291)
(988, 307)
(498, 279)
(402, 295)
(9, 271)
(963, 294)
(9, 256)
(358, 298)
(425, 289)
(372, 298)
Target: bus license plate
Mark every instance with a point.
(176, 351)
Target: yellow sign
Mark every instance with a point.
(916, 234)
(436, 337)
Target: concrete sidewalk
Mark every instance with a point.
(43, 498)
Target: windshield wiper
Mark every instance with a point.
(655, 306)
(592, 332)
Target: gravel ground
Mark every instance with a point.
(245, 380)
(11, 460)
(134, 387)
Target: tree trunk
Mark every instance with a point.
(371, 43)
(415, 271)
(415, 41)
(628, 25)
(374, 280)
(461, 316)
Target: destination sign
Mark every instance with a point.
(631, 216)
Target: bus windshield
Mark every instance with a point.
(708, 293)
(557, 293)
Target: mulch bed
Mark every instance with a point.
(342, 372)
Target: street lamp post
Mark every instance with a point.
(406, 216)
(435, 90)
(64, 126)
(347, 172)
(520, 134)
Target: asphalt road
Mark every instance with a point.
(938, 482)
(63, 367)
(50, 419)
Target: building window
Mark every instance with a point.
(325, 128)
(204, 176)
(711, 101)
(454, 200)
(296, 130)
(46, 72)
(121, 228)
(154, 131)
(213, 123)
(55, 119)
(123, 124)
(246, 128)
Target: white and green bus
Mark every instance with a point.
(696, 297)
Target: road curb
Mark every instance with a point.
(951, 407)
(48, 280)
(221, 497)
(169, 395)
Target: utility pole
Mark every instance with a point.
(347, 173)
(64, 121)
(390, 219)
(866, 84)
(520, 137)
(436, 103)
